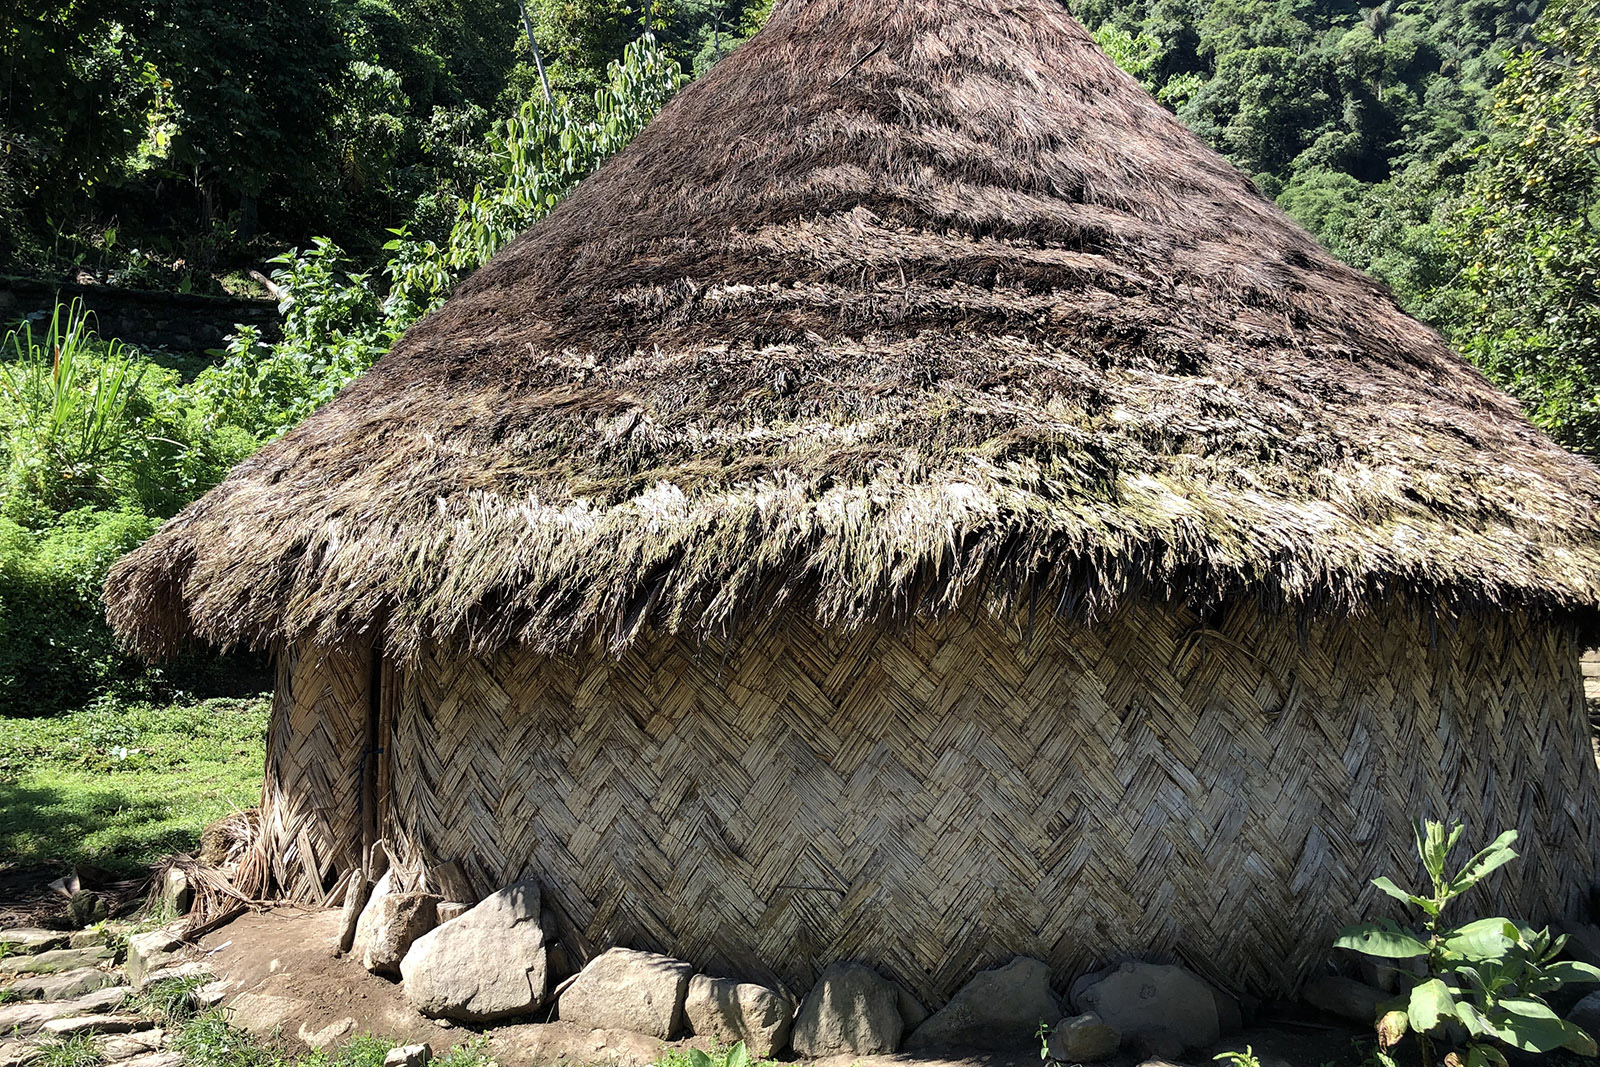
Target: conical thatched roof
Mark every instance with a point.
(906, 304)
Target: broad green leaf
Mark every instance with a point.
(1382, 939)
(1470, 1017)
(1429, 1000)
(1497, 855)
(1485, 939)
(699, 1059)
(1485, 1056)
(1579, 1041)
(1402, 895)
(738, 1056)
(1571, 972)
(1527, 1024)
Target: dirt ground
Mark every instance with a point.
(283, 978)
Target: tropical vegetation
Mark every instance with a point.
(367, 154)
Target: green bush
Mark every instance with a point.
(55, 647)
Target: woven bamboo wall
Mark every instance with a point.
(311, 800)
(932, 801)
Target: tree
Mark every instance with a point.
(1529, 227)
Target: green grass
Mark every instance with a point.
(121, 785)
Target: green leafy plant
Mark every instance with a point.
(1488, 977)
(1247, 1058)
(68, 400)
(735, 1056)
(78, 1050)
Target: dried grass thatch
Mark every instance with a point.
(905, 304)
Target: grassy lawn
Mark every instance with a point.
(120, 785)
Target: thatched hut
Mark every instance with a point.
(917, 504)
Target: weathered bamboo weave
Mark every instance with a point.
(935, 800)
(311, 801)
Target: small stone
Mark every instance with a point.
(95, 935)
(262, 1013)
(95, 1024)
(1346, 998)
(452, 909)
(166, 1058)
(68, 985)
(326, 1036)
(625, 989)
(484, 965)
(999, 1008)
(1154, 999)
(1082, 1039)
(187, 969)
(390, 924)
(851, 1011)
(127, 1046)
(56, 960)
(27, 940)
(728, 1012)
(409, 1056)
(151, 951)
(87, 908)
(177, 895)
(212, 993)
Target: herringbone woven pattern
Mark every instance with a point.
(934, 800)
(311, 801)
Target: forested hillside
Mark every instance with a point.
(367, 154)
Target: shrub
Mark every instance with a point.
(1488, 978)
(55, 647)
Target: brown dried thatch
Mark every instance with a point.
(905, 303)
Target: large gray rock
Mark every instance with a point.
(177, 895)
(133, 1046)
(488, 963)
(1082, 1039)
(28, 1018)
(999, 1008)
(19, 1053)
(26, 940)
(728, 1011)
(1346, 998)
(1156, 1002)
(389, 926)
(625, 989)
(96, 1024)
(851, 1010)
(1586, 1014)
(56, 960)
(68, 985)
(151, 951)
(264, 1014)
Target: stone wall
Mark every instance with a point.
(179, 322)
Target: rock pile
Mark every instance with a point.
(59, 986)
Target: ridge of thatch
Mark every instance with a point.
(904, 305)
